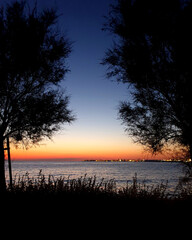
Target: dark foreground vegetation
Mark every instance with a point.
(92, 196)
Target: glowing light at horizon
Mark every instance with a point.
(81, 149)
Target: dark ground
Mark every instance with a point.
(91, 217)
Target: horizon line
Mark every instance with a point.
(86, 159)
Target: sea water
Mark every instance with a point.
(151, 173)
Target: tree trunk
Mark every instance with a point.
(2, 167)
(190, 151)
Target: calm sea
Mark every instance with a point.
(151, 172)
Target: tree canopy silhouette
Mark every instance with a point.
(32, 65)
(153, 55)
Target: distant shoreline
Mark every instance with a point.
(130, 160)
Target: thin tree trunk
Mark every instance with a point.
(2, 167)
(190, 151)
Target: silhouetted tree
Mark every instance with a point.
(153, 55)
(32, 64)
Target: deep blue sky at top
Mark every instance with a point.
(94, 98)
(91, 93)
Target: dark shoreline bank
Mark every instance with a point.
(91, 206)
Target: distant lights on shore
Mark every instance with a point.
(137, 160)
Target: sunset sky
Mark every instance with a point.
(97, 133)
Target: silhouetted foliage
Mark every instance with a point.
(153, 54)
(32, 64)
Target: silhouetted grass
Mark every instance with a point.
(57, 186)
(87, 197)
(90, 202)
(87, 187)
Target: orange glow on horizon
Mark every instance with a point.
(42, 154)
(84, 146)
(80, 152)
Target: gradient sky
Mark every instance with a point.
(97, 133)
